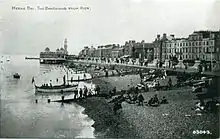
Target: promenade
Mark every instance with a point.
(137, 65)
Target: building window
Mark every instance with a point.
(199, 43)
(187, 44)
(207, 43)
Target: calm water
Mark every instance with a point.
(22, 117)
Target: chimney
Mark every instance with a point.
(158, 36)
(172, 35)
(164, 35)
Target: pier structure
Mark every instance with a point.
(57, 57)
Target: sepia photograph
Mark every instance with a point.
(128, 69)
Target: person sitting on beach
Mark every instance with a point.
(146, 88)
(97, 89)
(114, 90)
(90, 92)
(116, 107)
(164, 100)
(111, 93)
(135, 97)
(128, 98)
(150, 101)
(136, 90)
(212, 105)
(154, 101)
(199, 107)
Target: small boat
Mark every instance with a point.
(17, 76)
(8, 59)
(80, 80)
(57, 89)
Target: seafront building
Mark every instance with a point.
(130, 49)
(202, 45)
(199, 45)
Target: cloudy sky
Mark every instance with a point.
(106, 22)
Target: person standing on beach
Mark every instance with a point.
(141, 100)
(75, 94)
(170, 83)
(80, 93)
(85, 91)
(97, 89)
(114, 91)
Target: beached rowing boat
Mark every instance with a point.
(56, 89)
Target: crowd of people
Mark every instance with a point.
(209, 106)
(134, 98)
(85, 92)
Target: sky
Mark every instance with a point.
(105, 22)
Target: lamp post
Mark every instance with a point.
(211, 51)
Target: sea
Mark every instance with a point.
(22, 117)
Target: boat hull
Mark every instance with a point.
(56, 90)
